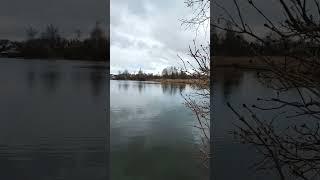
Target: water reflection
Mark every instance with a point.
(229, 78)
(140, 86)
(172, 89)
(152, 134)
(123, 85)
(31, 77)
(50, 80)
(132, 85)
(98, 81)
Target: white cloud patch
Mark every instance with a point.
(147, 34)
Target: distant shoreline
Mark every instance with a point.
(165, 81)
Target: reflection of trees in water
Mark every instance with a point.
(172, 89)
(50, 79)
(230, 78)
(126, 86)
(98, 81)
(31, 78)
(123, 85)
(141, 86)
(167, 88)
(181, 87)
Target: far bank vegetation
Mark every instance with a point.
(168, 75)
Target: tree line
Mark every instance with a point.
(167, 73)
(232, 43)
(50, 44)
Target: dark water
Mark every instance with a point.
(53, 120)
(239, 87)
(54, 125)
(152, 133)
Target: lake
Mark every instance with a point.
(53, 120)
(241, 87)
(152, 133)
(54, 125)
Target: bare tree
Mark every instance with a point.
(31, 33)
(97, 33)
(199, 100)
(292, 150)
(201, 14)
(78, 34)
(51, 33)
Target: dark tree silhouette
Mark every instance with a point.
(51, 44)
(31, 33)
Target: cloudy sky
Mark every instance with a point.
(147, 34)
(67, 15)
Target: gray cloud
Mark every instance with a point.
(68, 15)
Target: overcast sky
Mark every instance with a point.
(147, 34)
(67, 15)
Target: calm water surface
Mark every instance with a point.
(53, 120)
(239, 87)
(152, 133)
(54, 125)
